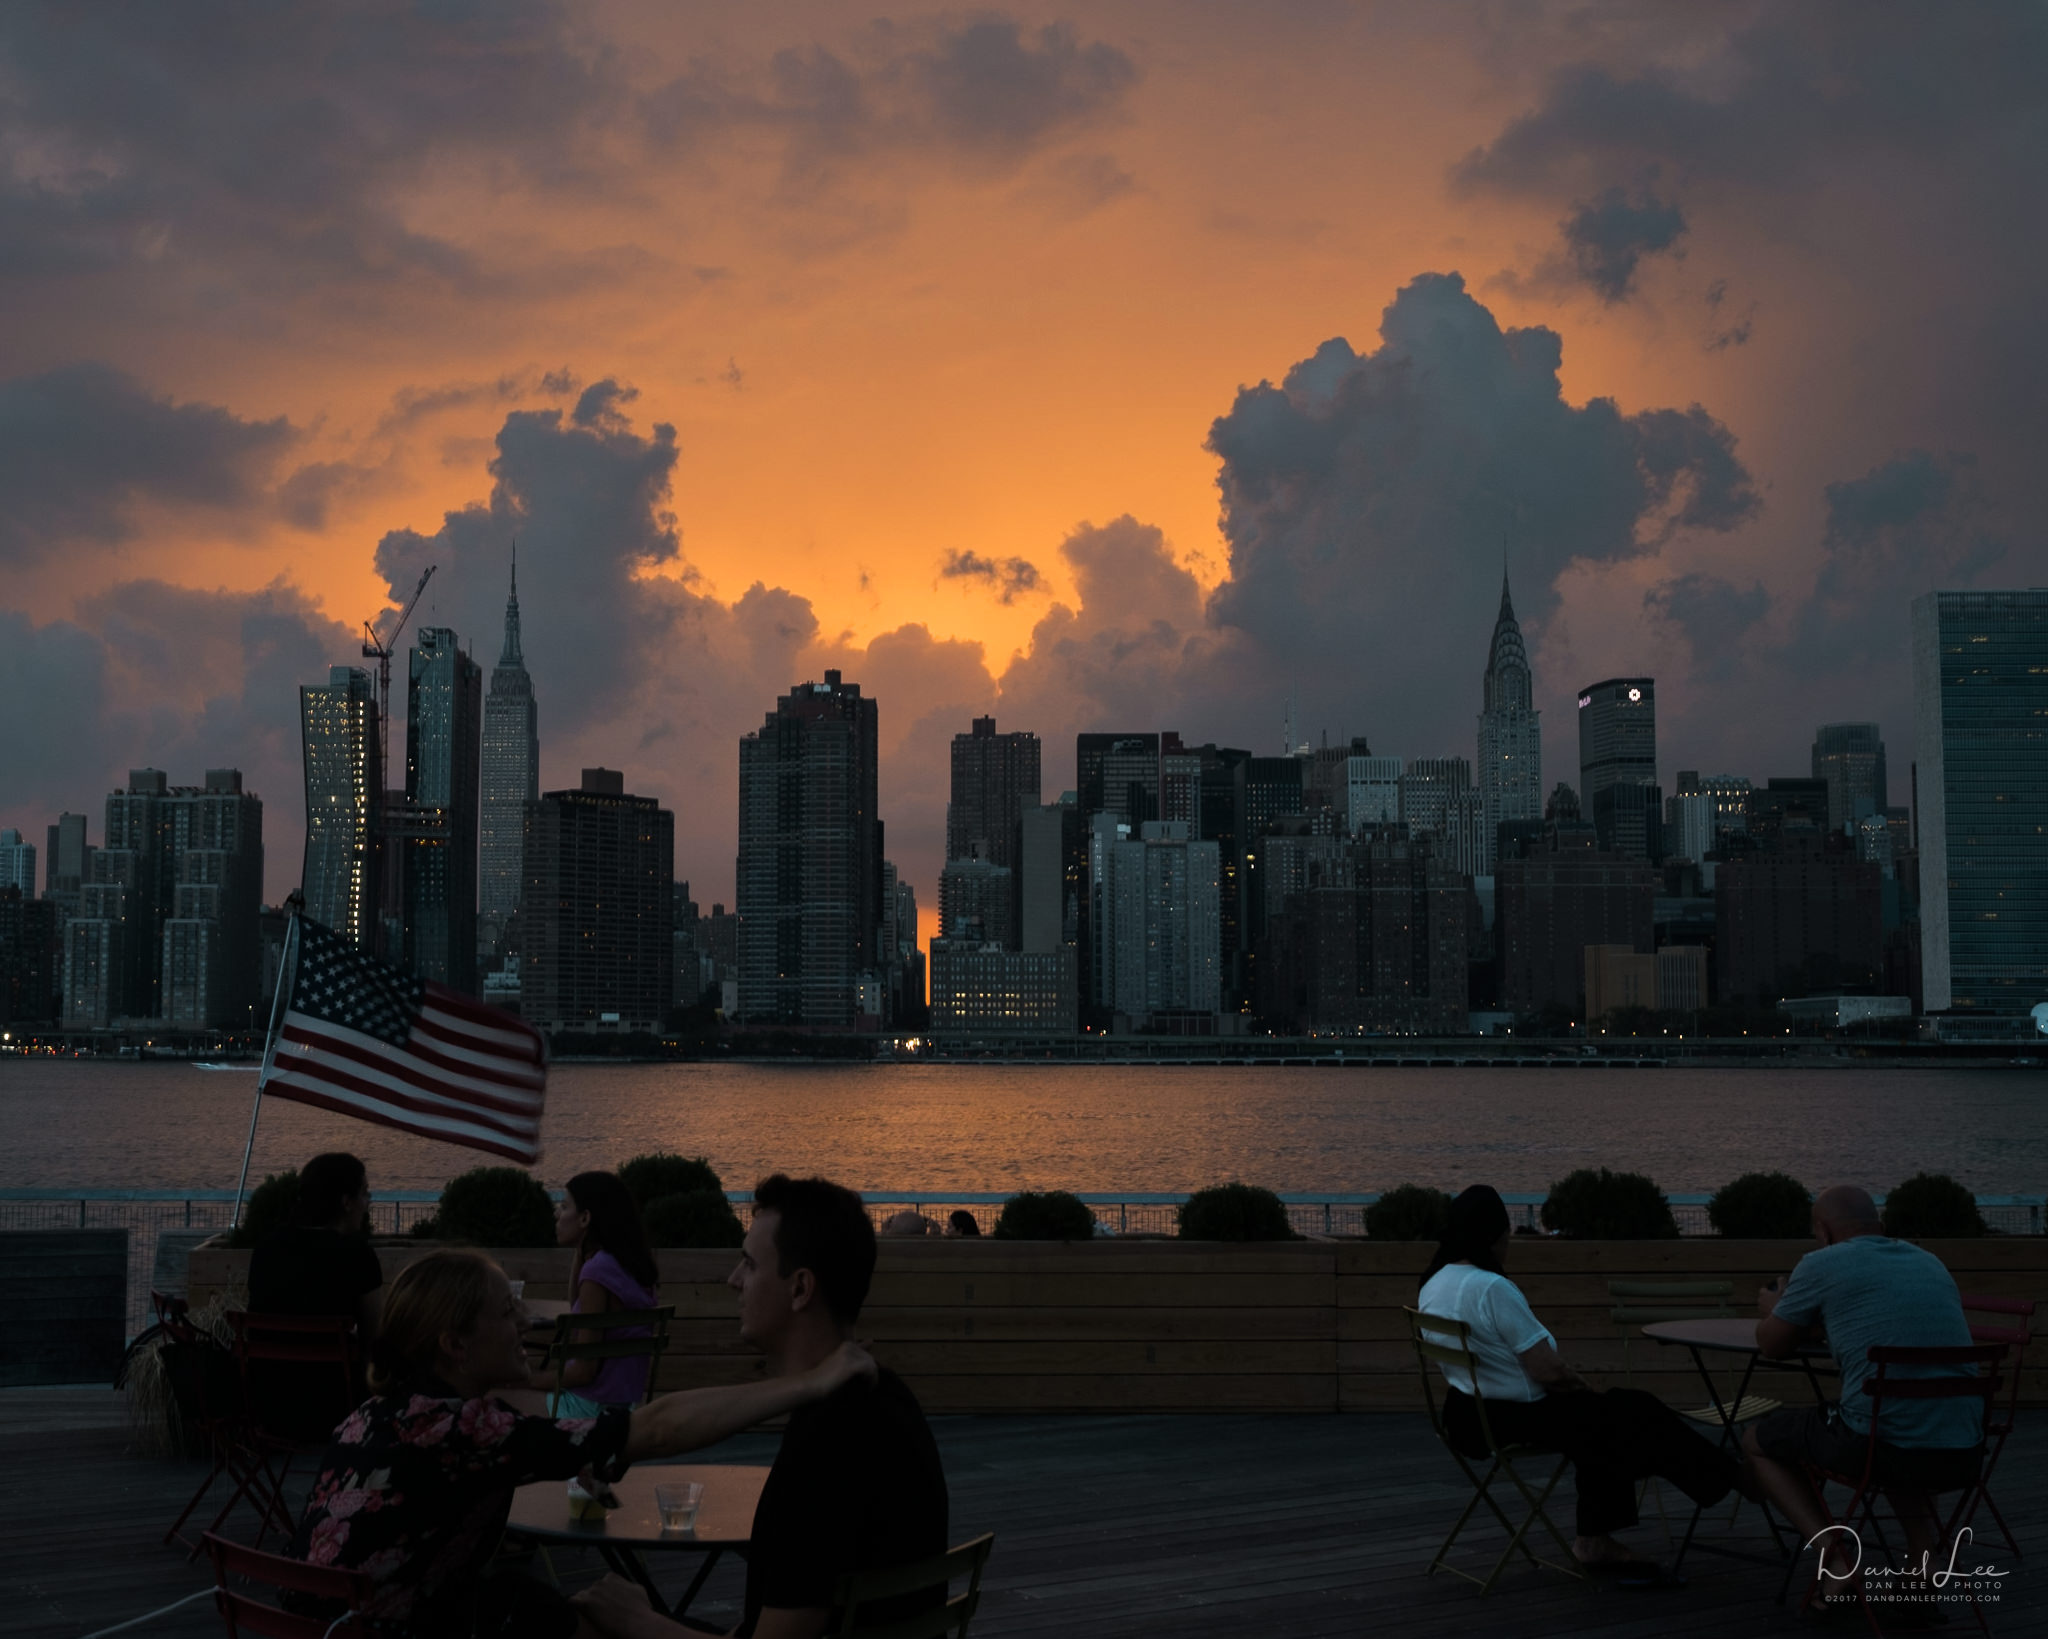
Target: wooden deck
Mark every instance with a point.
(1106, 1525)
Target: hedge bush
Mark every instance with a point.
(1235, 1212)
(1055, 1215)
(269, 1208)
(1609, 1206)
(495, 1206)
(649, 1177)
(1413, 1212)
(1932, 1206)
(1762, 1206)
(695, 1217)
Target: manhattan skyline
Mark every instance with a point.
(1081, 368)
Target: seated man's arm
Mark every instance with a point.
(1788, 1314)
(691, 1418)
(774, 1623)
(1543, 1363)
(1779, 1339)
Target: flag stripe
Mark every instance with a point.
(372, 1111)
(363, 1039)
(392, 1069)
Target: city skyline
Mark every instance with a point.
(899, 395)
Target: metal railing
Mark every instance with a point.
(146, 1213)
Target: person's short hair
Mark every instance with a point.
(446, 1291)
(324, 1183)
(964, 1222)
(823, 1227)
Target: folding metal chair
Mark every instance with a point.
(1443, 1342)
(219, 1415)
(1865, 1487)
(2000, 1416)
(244, 1613)
(314, 1341)
(947, 1619)
(565, 1346)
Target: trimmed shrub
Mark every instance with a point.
(495, 1206)
(1762, 1206)
(426, 1229)
(269, 1207)
(1931, 1206)
(1235, 1212)
(649, 1177)
(1413, 1212)
(694, 1217)
(1609, 1206)
(1055, 1215)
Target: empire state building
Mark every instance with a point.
(1510, 734)
(511, 779)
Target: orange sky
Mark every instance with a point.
(891, 337)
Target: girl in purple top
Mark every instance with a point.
(613, 1269)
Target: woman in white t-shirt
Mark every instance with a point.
(1533, 1398)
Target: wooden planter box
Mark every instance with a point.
(1108, 1326)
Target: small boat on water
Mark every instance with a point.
(215, 1064)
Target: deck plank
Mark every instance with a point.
(1146, 1526)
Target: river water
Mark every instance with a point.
(929, 1127)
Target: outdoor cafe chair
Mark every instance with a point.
(564, 1346)
(244, 1613)
(1865, 1488)
(2000, 1417)
(311, 1341)
(217, 1415)
(1442, 1342)
(947, 1621)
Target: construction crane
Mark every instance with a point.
(379, 649)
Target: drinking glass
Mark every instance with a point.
(679, 1504)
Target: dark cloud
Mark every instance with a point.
(1008, 578)
(1367, 500)
(986, 94)
(1715, 616)
(1607, 238)
(154, 675)
(82, 446)
(230, 145)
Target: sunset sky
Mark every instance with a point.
(1122, 366)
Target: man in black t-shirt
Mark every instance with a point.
(857, 1484)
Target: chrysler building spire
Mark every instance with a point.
(1510, 731)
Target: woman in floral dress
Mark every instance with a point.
(415, 1490)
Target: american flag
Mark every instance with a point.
(361, 1038)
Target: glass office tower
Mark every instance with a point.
(1980, 706)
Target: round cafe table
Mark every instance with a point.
(1732, 1335)
(540, 1513)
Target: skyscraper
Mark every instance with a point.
(17, 863)
(1510, 732)
(437, 836)
(344, 803)
(511, 779)
(1618, 755)
(67, 863)
(810, 859)
(1980, 698)
(1160, 939)
(1850, 757)
(1118, 774)
(212, 958)
(596, 939)
(995, 778)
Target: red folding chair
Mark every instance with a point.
(2000, 1417)
(244, 1613)
(1982, 1385)
(303, 1340)
(219, 1416)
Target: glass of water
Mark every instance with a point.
(679, 1504)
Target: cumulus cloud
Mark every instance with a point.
(1008, 578)
(1368, 497)
(1713, 614)
(82, 447)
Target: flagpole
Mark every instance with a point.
(286, 970)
